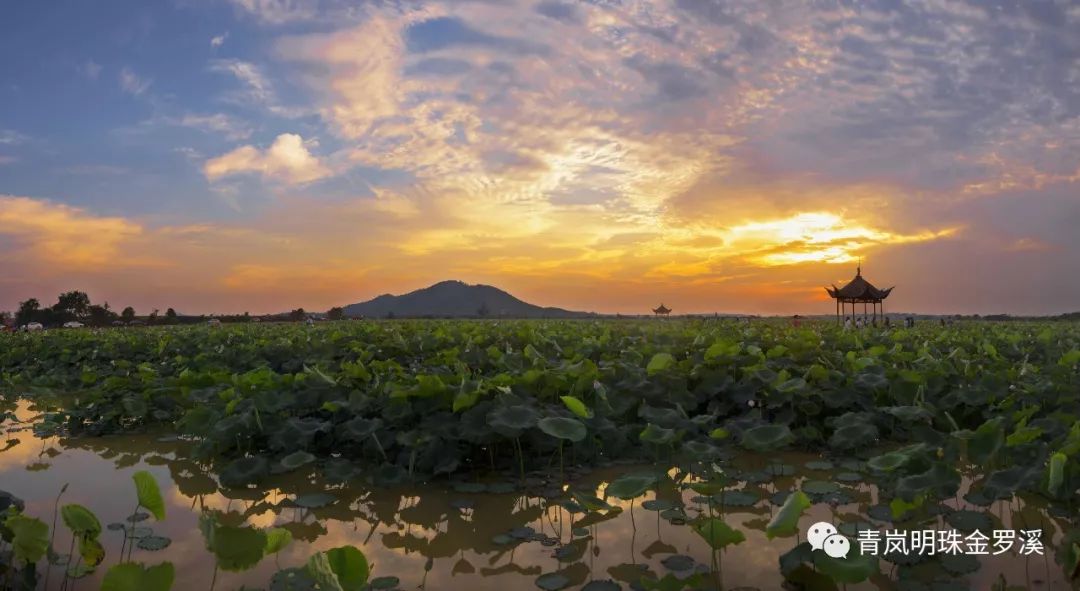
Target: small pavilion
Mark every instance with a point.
(662, 310)
(858, 291)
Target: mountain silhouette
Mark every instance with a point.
(455, 299)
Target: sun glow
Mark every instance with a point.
(815, 237)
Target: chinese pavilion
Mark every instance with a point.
(662, 310)
(858, 291)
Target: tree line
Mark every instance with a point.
(75, 306)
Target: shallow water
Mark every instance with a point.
(435, 537)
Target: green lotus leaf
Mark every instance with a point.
(657, 435)
(385, 583)
(244, 471)
(577, 407)
(296, 460)
(359, 429)
(887, 462)
(237, 548)
(766, 438)
(855, 568)
(563, 428)
(1055, 471)
(552, 582)
(146, 487)
(630, 486)
(941, 480)
(318, 567)
(786, 520)
(678, 562)
(277, 539)
(717, 534)
(969, 521)
(80, 520)
(314, 500)
(153, 543)
(660, 362)
(29, 538)
(512, 420)
(131, 576)
(855, 436)
(908, 414)
(349, 566)
(987, 440)
(1003, 484)
(819, 487)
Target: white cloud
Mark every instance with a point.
(287, 160)
(9, 137)
(90, 69)
(132, 83)
(221, 123)
(219, 40)
(276, 12)
(258, 90)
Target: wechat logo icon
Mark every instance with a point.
(823, 536)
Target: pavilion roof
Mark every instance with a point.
(858, 289)
(662, 309)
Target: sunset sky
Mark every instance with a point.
(606, 155)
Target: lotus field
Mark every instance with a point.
(907, 429)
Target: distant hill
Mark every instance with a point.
(455, 299)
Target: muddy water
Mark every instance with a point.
(436, 537)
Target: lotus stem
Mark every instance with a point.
(52, 533)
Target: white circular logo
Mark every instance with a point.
(818, 533)
(837, 546)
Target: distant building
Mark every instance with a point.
(858, 291)
(662, 310)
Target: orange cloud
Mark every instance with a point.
(287, 159)
(63, 236)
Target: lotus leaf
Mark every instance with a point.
(130, 576)
(718, 534)
(512, 420)
(153, 543)
(244, 471)
(149, 494)
(766, 437)
(630, 486)
(576, 406)
(80, 520)
(296, 460)
(786, 520)
(657, 435)
(30, 537)
(563, 428)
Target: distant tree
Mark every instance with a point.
(101, 315)
(336, 313)
(128, 314)
(5, 318)
(29, 311)
(71, 305)
(170, 316)
(152, 319)
(391, 315)
(483, 310)
(297, 315)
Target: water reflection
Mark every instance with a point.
(450, 537)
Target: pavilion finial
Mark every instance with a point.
(858, 270)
